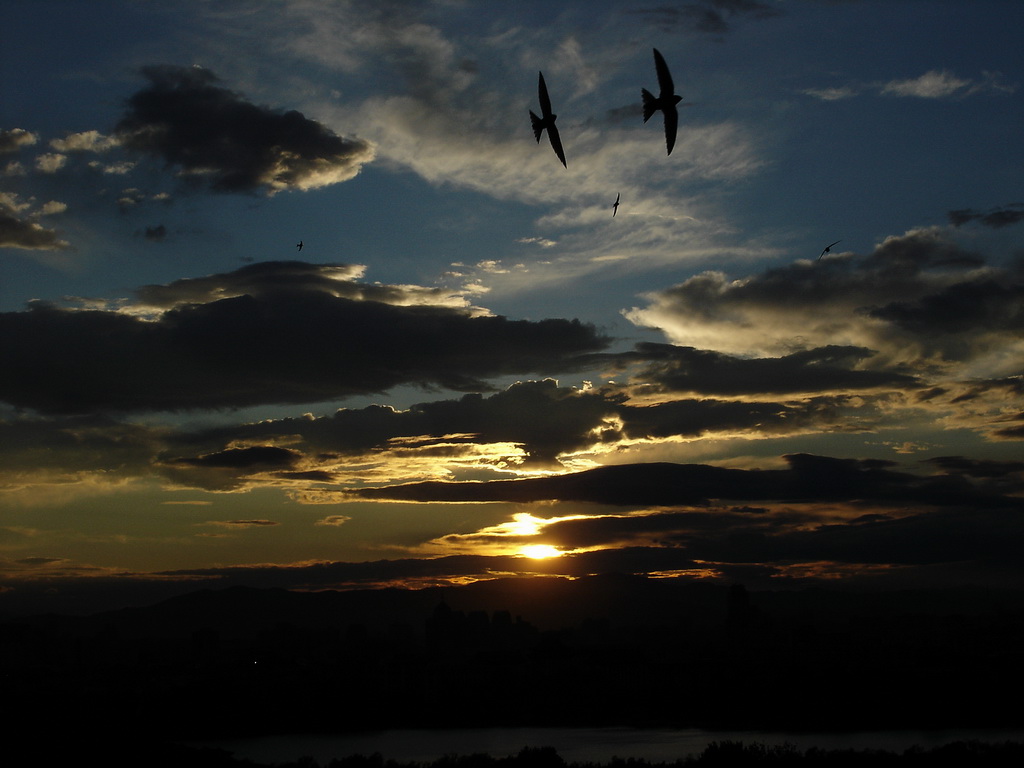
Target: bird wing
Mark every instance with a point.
(664, 78)
(545, 101)
(825, 249)
(671, 125)
(556, 143)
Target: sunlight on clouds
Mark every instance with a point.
(512, 537)
(540, 551)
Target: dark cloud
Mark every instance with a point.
(230, 469)
(1015, 432)
(157, 233)
(693, 418)
(76, 444)
(539, 415)
(289, 345)
(18, 232)
(995, 218)
(706, 16)
(960, 316)
(978, 467)
(808, 478)
(823, 369)
(255, 457)
(546, 420)
(213, 134)
(245, 523)
(274, 277)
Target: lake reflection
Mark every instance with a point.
(598, 745)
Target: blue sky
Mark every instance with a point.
(473, 307)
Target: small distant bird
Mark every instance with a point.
(666, 101)
(299, 245)
(547, 120)
(828, 248)
(615, 206)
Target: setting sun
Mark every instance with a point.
(540, 551)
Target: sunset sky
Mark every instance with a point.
(472, 368)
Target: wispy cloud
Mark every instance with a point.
(713, 17)
(995, 217)
(934, 84)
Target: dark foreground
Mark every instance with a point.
(726, 754)
(604, 651)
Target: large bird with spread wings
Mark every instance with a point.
(666, 100)
(547, 120)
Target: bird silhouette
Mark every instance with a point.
(666, 101)
(828, 248)
(547, 120)
(615, 205)
(299, 245)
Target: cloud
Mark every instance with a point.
(995, 217)
(86, 141)
(881, 302)
(59, 450)
(261, 457)
(835, 93)
(52, 207)
(157, 233)
(244, 523)
(539, 415)
(231, 469)
(934, 84)
(531, 425)
(17, 231)
(293, 342)
(214, 135)
(808, 478)
(271, 277)
(822, 369)
(50, 162)
(13, 139)
(705, 16)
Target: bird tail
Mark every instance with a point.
(650, 103)
(538, 125)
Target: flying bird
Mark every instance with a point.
(299, 245)
(828, 248)
(547, 120)
(666, 101)
(615, 205)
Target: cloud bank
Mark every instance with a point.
(279, 332)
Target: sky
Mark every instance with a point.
(475, 366)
